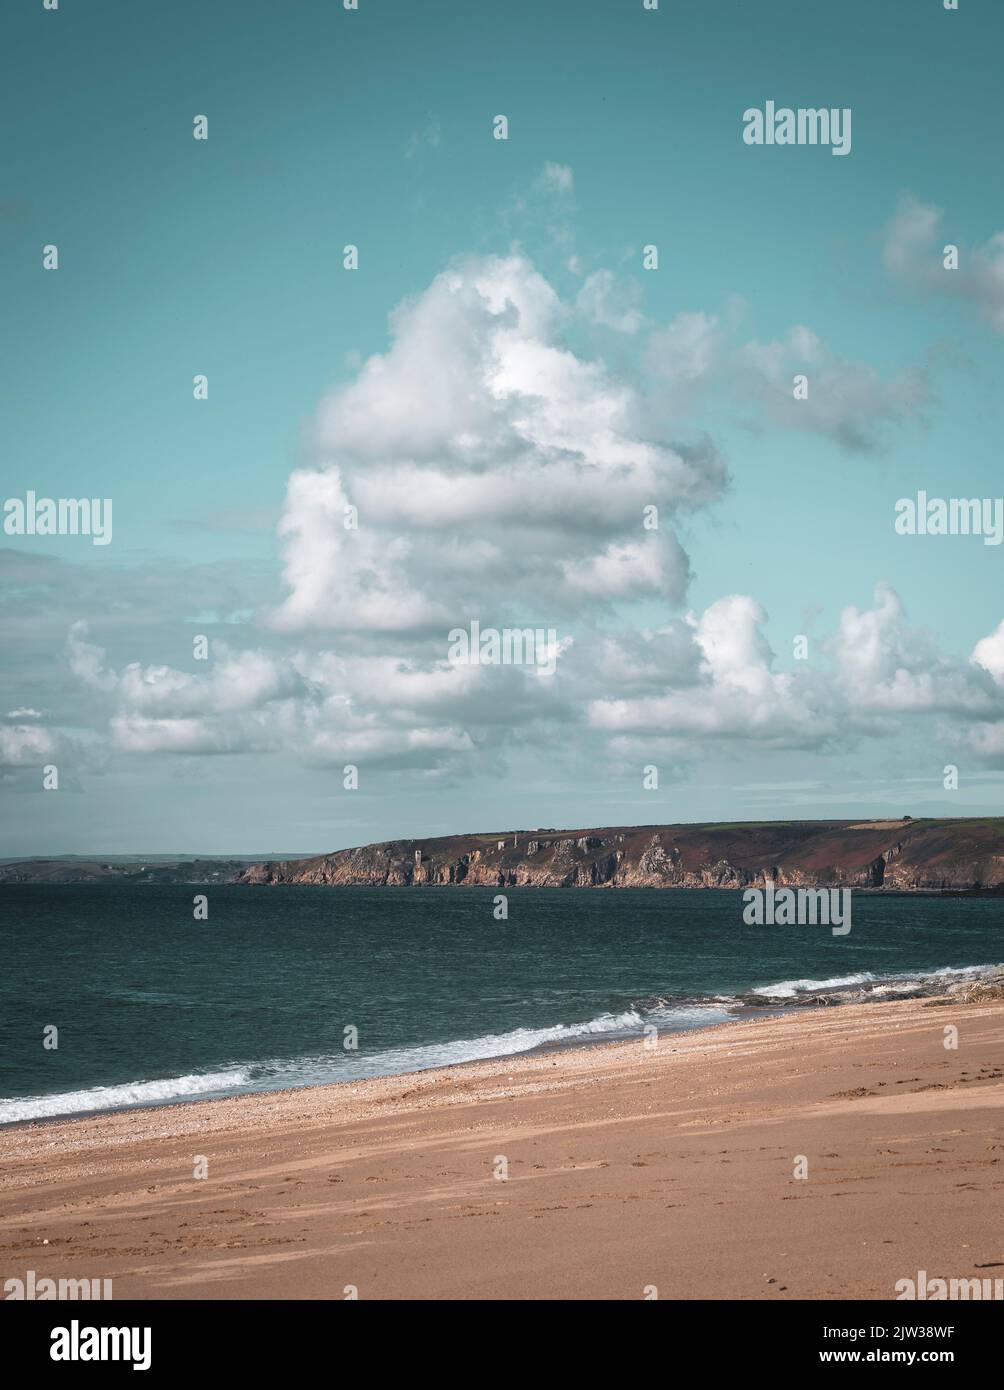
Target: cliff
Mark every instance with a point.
(902, 855)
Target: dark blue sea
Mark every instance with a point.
(152, 1005)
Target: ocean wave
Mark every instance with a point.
(892, 981)
(120, 1097)
(667, 1014)
(282, 1073)
(788, 989)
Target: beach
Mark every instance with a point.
(616, 1171)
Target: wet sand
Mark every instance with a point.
(627, 1169)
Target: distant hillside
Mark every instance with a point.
(902, 855)
(961, 855)
(127, 869)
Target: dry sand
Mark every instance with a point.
(627, 1168)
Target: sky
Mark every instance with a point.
(503, 389)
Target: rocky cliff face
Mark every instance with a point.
(961, 855)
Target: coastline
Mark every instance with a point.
(755, 1002)
(582, 1043)
(628, 1166)
(952, 855)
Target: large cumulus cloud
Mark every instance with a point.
(488, 466)
(495, 472)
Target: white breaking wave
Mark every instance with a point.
(787, 989)
(395, 1060)
(974, 970)
(118, 1097)
(280, 1073)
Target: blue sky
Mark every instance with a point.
(373, 127)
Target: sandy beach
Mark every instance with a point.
(625, 1169)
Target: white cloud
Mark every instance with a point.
(611, 301)
(655, 565)
(556, 178)
(498, 471)
(687, 350)
(908, 249)
(675, 691)
(481, 432)
(847, 401)
(87, 660)
(132, 733)
(22, 745)
(314, 706)
(341, 577)
(915, 241)
(737, 694)
(887, 668)
(987, 738)
(989, 653)
(879, 670)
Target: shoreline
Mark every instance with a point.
(540, 1050)
(825, 886)
(628, 1166)
(742, 1007)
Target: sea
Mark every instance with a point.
(116, 995)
